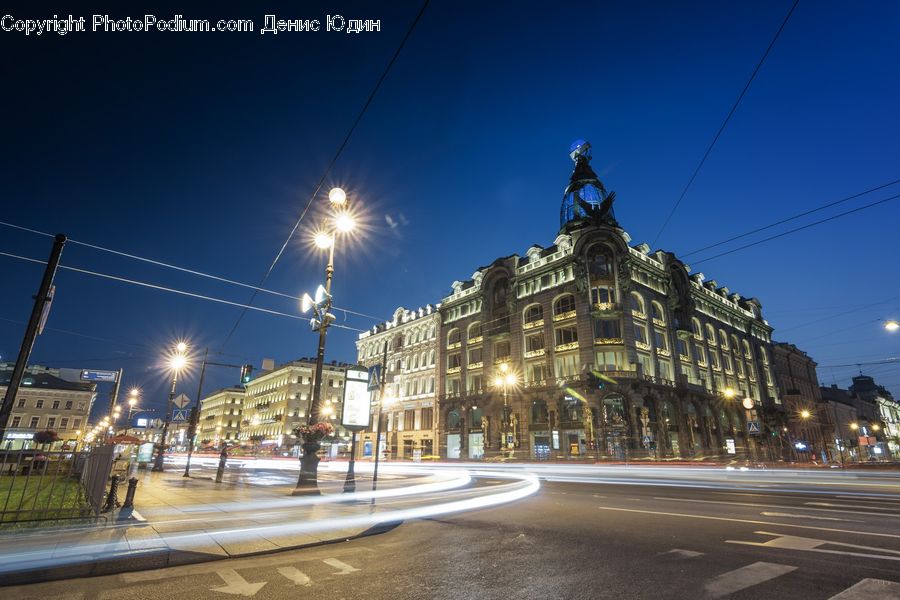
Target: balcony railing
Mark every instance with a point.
(453, 370)
(641, 345)
(565, 347)
(564, 316)
(608, 341)
(533, 324)
(535, 353)
(475, 365)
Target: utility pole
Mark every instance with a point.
(195, 416)
(41, 304)
(384, 371)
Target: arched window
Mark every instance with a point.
(564, 304)
(431, 358)
(723, 339)
(453, 419)
(416, 361)
(638, 307)
(397, 343)
(474, 331)
(453, 337)
(735, 345)
(710, 334)
(424, 360)
(534, 313)
(696, 329)
(431, 332)
(657, 311)
(498, 299)
(600, 262)
(746, 346)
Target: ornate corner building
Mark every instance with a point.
(591, 347)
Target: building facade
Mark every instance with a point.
(809, 436)
(593, 347)
(410, 340)
(220, 417)
(279, 399)
(43, 402)
(874, 403)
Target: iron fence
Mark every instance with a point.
(37, 485)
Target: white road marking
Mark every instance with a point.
(739, 579)
(854, 506)
(758, 505)
(337, 564)
(793, 542)
(682, 553)
(236, 584)
(778, 514)
(867, 589)
(295, 575)
(750, 521)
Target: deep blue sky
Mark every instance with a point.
(201, 150)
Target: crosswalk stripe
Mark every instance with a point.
(733, 581)
(870, 588)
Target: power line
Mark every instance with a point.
(797, 216)
(175, 291)
(725, 122)
(182, 269)
(325, 174)
(795, 230)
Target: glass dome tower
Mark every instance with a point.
(585, 197)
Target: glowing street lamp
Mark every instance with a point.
(505, 380)
(177, 362)
(854, 426)
(892, 325)
(804, 414)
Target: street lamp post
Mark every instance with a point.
(343, 222)
(505, 380)
(177, 363)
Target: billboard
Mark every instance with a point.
(357, 402)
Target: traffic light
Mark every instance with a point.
(246, 371)
(595, 381)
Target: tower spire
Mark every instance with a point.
(585, 197)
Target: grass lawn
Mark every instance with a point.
(38, 498)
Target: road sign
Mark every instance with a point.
(157, 423)
(645, 440)
(374, 378)
(179, 416)
(181, 401)
(753, 427)
(93, 375)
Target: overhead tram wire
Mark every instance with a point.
(327, 171)
(725, 122)
(788, 219)
(795, 230)
(182, 269)
(174, 291)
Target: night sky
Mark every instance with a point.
(201, 149)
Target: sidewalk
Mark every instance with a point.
(180, 520)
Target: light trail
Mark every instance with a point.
(434, 503)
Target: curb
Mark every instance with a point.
(146, 560)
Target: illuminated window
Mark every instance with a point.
(657, 312)
(566, 335)
(564, 304)
(638, 307)
(534, 313)
(607, 329)
(453, 337)
(600, 262)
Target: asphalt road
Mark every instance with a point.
(576, 540)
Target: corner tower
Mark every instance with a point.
(585, 197)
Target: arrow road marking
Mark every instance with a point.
(345, 569)
(682, 553)
(236, 584)
(793, 542)
(758, 572)
(295, 575)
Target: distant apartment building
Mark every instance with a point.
(409, 426)
(220, 417)
(45, 401)
(808, 434)
(279, 399)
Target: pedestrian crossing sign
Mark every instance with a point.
(179, 416)
(753, 427)
(374, 378)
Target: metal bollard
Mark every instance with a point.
(112, 498)
(223, 457)
(129, 495)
